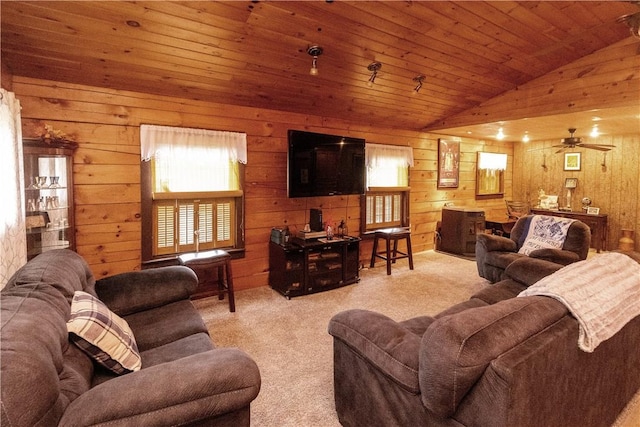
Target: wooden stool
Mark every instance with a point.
(392, 234)
(203, 262)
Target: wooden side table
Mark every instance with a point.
(500, 226)
(212, 263)
(390, 256)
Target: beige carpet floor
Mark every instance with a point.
(288, 339)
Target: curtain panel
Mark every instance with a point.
(192, 160)
(388, 165)
(13, 240)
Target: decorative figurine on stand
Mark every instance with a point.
(542, 196)
(329, 233)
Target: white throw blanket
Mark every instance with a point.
(603, 293)
(545, 232)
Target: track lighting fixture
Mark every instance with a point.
(373, 67)
(314, 51)
(633, 22)
(418, 79)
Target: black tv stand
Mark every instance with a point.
(305, 267)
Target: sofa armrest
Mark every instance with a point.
(491, 242)
(195, 388)
(559, 256)
(383, 342)
(128, 293)
(527, 270)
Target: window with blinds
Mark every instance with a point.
(192, 190)
(187, 225)
(386, 201)
(384, 209)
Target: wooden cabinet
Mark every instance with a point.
(307, 267)
(459, 228)
(48, 195)
(597, 224)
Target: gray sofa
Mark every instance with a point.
(494, 253)
(49, 381)
(493, 360)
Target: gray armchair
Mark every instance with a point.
(495, 253)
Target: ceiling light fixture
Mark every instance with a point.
(525, 138)
(594, 132)
(500, 135)
(314, 51)
(418, 79)
(373, 67)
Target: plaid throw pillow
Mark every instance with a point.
(102, 334)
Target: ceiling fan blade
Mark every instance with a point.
(597, 147)
(561, 147)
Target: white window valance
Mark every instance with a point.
(157, 139)
(495, 161)
(381, 155)
(388, 165)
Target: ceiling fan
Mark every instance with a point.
(575, 141)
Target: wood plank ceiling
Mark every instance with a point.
(255, 53)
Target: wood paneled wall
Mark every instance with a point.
(605, 79)
(611, 180)
(107, 169)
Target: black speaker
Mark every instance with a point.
(315, 219)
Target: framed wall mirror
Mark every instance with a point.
(490, 169)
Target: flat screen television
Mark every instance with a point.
(324, 165)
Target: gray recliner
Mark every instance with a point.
(495, 253)
(494, 360)
(48, 381)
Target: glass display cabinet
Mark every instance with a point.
(48, 188)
